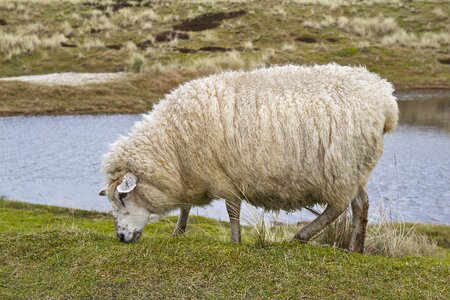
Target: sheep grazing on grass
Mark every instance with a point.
(280, 138)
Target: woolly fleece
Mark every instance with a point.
(281, 137)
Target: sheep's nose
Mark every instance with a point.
(121, 237)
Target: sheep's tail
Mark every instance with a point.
(391, 114)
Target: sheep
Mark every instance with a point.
(280, 138)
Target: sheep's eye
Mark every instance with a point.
(121, 197)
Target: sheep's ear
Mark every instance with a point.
(102, 193)
(128, 183)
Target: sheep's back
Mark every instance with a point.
(284, 137)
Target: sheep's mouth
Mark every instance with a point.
(136, 236)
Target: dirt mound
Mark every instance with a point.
(214, 49)
(67, 45)
(444, 60)
(114, 46)
(207, 21)
(307, 39)
(332, 40)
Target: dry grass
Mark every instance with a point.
(13, 44)
(439, 14)
(128, 17)
(130, 46)
(289, 47)
(96, 22)
(138, 63)
(209, 36)
(403, 44)
(333, 4)
(387, 235)
(140, 92)
(382, 29)
(390, 236)
(92, 43)
(248, 45)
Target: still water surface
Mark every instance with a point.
(56, 160)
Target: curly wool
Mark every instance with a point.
(281, 137)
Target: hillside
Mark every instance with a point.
(164, 43)
(50, 252)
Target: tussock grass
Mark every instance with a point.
(12, 45)
(138, 63)
(209, 36)
(92, 43)
(387, 235)
(403, 41)
(289, 47)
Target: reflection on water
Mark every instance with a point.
(56, 160)
(434, 112)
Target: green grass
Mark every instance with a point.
(49, 252)
(406, 65)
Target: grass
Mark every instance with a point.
(404, 41)
(50, 252)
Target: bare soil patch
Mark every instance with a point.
(207, 21)
(444, 60)
(307, 39)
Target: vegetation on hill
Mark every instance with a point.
(168, 42)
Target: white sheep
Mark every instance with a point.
(283, 137)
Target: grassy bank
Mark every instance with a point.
(169, 42)
(48, 252)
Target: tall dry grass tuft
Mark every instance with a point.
(265, 228)
(209, 36)
(53, 41)
(383, 29)
(289, 47)
(92, 43)
(387, 235)
(228, 61)
(137, 63)
(338, 233)
(373, 27)
(13, 44)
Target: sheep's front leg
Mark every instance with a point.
(360, 209)
(182, 221)
(234, 209)
(330, 214)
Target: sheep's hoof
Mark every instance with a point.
(356, 248)
(178, 232)
(300, 238)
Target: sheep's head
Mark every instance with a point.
(130, 217)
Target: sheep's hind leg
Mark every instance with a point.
(234, 209)
(330, 214)
(360, 208)
(182, 221)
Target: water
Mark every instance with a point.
(56, 160)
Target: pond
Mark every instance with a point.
(55, 160)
